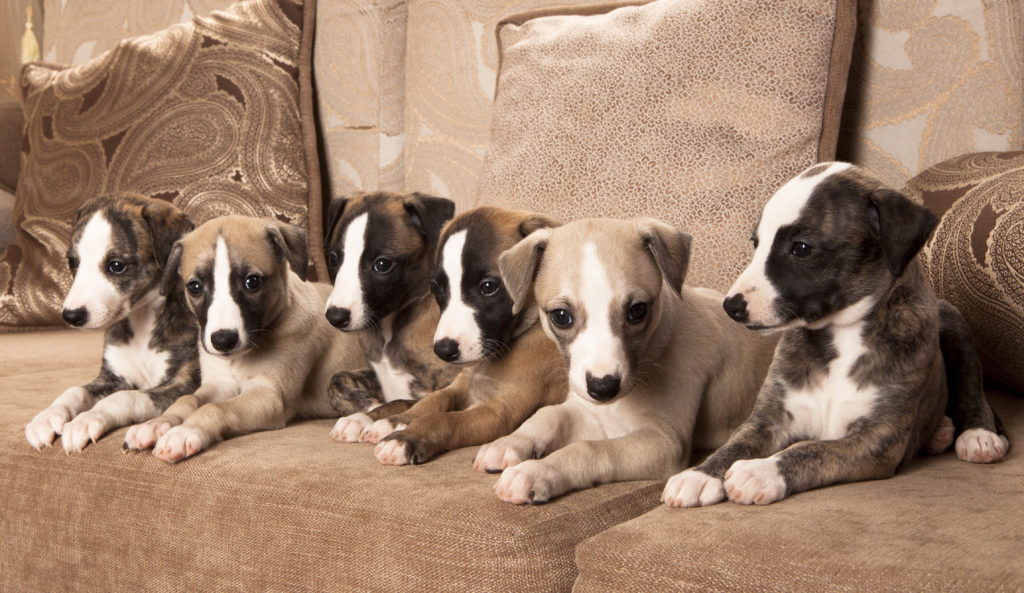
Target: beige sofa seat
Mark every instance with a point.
(286, 510)
(939, 525)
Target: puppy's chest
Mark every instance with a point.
(826, 406)
(385, 356)
(135, 361)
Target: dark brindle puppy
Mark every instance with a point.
(871, 364)
(119, 247)
(380, 253)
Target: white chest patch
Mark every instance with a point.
(608, 421)
(348, 288)
(824, 411)
(134, 361)
(395, 383)
(458, 320)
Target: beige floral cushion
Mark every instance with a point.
(976, 256)
(691, 111)
(204, 114)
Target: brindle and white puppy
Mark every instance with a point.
(380, 256)
(266, 355)
(655, 368)
(119, 248)
(517, 369)
(860, 379)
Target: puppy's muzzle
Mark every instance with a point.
(339, 317)
(447, 349)
(604, 388)
(76, 317)
(736, 308)
(224, 340)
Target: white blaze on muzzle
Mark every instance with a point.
(91, 289)
(783, 209)
(348, 287)
(596, 349)
(224, 313)
(458, 320)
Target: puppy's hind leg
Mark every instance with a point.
(981, 437)
(352, 394)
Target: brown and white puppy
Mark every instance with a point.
(655, 369)
(380, 254)
(266, 355)
(513, 368)
(119, 248)
(859, 382)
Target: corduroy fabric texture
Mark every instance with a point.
(287, 510)
(204, 114)
(689, 111)
(940, 525)
(975, 257)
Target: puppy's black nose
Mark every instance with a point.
(338, 317)
(447, 349)
(224, 340)
(76, 317)
(603, 388)
(736, 307)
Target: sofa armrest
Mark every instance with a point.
(11, 123)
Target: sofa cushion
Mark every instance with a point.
(975, 257)
(204, 114)
(690, 111)
(11, 123)
(285, 510)
(939, 525)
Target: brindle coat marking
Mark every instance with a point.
(520, 370)
(143, 231)
(847, 282)
(399, 314)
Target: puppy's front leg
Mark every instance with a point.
(145, 435)
(645, 454)
(49, 423)
(351, 394)
(549, 428)
(435, 405)
(117, 409)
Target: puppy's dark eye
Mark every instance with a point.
(116, 266)
(73, 263)
(253, 282)
(754, 241)
(801, 249)
(636, 313)
(435, 288)
(383, 265)
(561, 318)
(333, 259)
(194, 287)
(489, 287)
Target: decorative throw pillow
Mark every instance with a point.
(213, 115)
(975, 258)
(692, 111)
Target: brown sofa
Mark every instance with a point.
(290, 510)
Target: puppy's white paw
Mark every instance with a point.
(978, 445)
(755, 481)
(693, 488)
(145, 435)
(379, 429)
(348, 428)
(503, 453)
(393, 452)
(46, 425)
(178, 443)
(84, 428)
(529, 482)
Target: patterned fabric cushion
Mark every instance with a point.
(693, 111)
(976, 256)
(204, 114)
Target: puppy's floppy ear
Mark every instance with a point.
(172, 270)
(537, 222)
(428, 214)
(669, 248)
(289, 241)
(334, 212)
(519, 265)
(903, 227)
(166, 224)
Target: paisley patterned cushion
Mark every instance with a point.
(976, 256)
(694, 112)
(203, 114)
